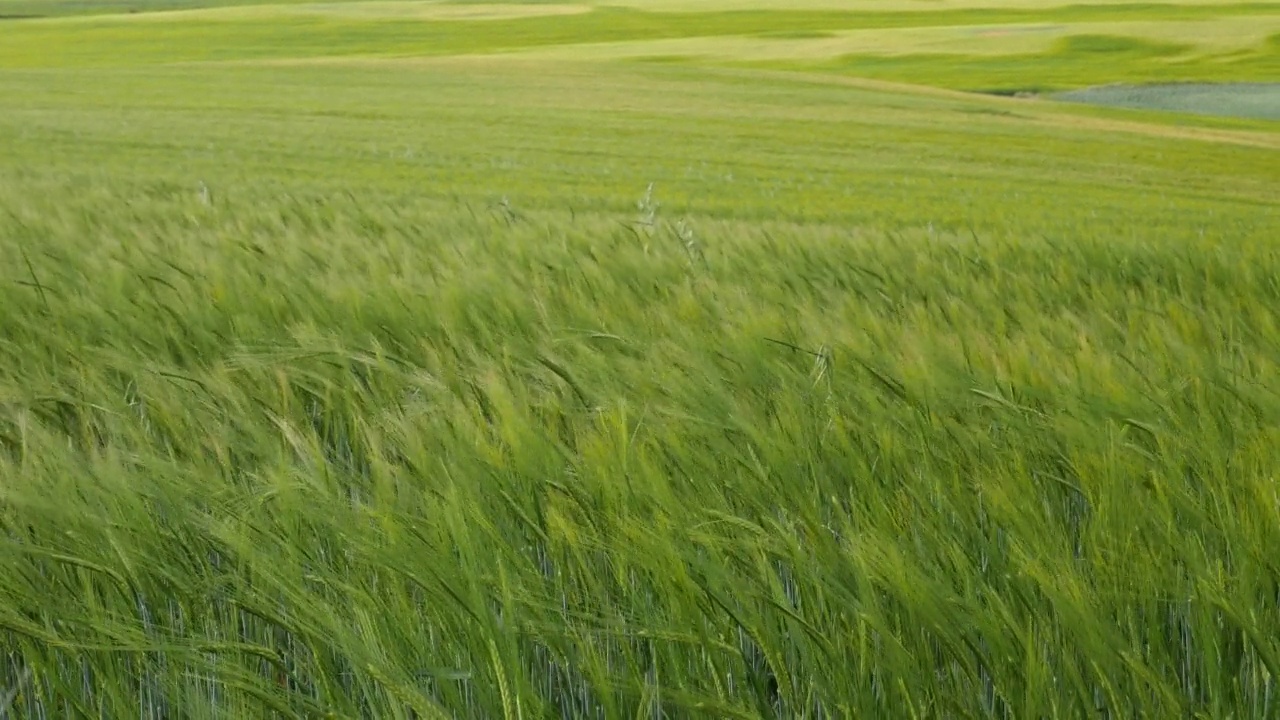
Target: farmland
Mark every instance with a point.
(744, 358)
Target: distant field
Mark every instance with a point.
(666, 360)
(998, 47)
(52, 8)
(64, 8)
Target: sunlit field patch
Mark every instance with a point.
(370, 10)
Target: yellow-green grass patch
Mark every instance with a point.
(1215, 36)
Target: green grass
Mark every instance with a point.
(491, 386)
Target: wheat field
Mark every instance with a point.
(426, 360)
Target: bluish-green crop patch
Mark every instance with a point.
(1259, 101)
